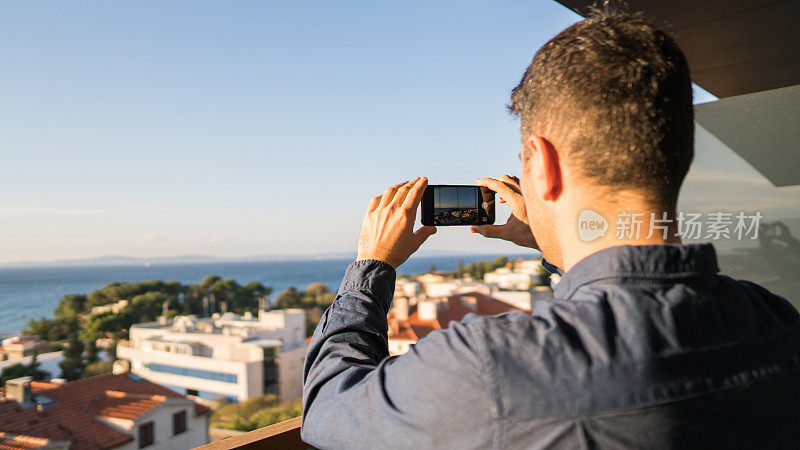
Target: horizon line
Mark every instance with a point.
(123, 260)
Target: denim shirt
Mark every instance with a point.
(641, 347)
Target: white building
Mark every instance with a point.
(231, 356)
(18, 347)
(524, 273)
(47, 361)
(408, 288)
(448, 287)
(507, 279)
(524, 299)
(531, 266)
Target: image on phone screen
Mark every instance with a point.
(457, 205)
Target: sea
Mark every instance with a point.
(33, 292)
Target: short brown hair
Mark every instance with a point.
(614, 92)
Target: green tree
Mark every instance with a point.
(254, 413)
(209, 281)
(73, 318)
(148, 306)
(103, 324)
(91, 352)
(35, 371)
(257, 289)
(111, 351)
(250, 295)
(73, 364)
(326, 299)
(270, 416)
(97, 368)
(317, 289)
(317, 295)
(225, 290)
(18, 370)
(114, 292)
(13, 371)
(69, 307)
(193, 299)
(290, 298)
(478, 269)
(51, 329)
(311, 325)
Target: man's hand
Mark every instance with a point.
(387, 233)
(516, 229)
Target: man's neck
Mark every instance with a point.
(632, 224)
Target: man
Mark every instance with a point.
(644, 344)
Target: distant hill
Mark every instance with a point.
(122, 260)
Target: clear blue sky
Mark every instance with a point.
(247, 128)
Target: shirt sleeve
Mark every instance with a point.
(356, 396)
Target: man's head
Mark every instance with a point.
(606, 115)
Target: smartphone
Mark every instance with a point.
(447, 204)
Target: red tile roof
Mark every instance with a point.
(453, 309)
(10, 441)
(400, 329)
(121, 405)
(456, 308)
(60, 422)
(76, 406)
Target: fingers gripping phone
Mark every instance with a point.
(447, 204)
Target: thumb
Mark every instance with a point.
(423, 234)
(489, 231)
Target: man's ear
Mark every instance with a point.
(545, 168)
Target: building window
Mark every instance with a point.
(195, 373)
(271, 385)
(146, 434)
(178, 422)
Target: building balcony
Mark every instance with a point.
(283, 435)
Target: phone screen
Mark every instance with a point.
(457, 205)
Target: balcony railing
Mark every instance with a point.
(283, 435)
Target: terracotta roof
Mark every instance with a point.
(72, 415)
(456, 307)
(10, 441)
(83, 391)
(452, 309)
(400, 329)
(421, 327)
(121, 405)
(60, 422)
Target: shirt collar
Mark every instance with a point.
(642, 261)
(553, 269)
